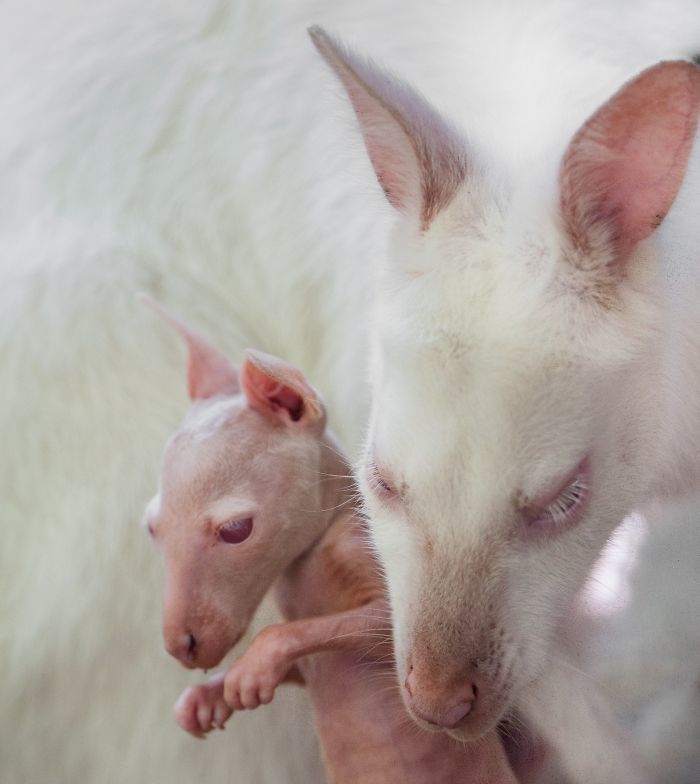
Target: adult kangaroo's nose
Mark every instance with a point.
(441, 709)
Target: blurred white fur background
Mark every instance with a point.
(201, 151)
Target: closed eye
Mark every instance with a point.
(379, 482)
(565, 509)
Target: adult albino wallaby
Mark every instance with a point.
(534, 380)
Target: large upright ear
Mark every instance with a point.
(623, 168)
(209, 371)
(419, 159)
(278, 389)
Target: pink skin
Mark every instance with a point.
(254, 445)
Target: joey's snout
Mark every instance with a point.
(198, 648)
(196, 631)
(182, 645)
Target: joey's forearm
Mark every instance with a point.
(365, 629)
(252, 680)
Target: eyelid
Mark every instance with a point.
(547, 497)
(230, 507)
(381, 484)
(230, 521)
(555, 517)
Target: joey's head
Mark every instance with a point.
(239, 496)
(517, 317)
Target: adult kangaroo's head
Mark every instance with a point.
(507, 435)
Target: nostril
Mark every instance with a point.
(409, 681)
(183, 645)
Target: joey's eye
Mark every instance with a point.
(235, 531)
(151, 531)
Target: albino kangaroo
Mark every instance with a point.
(254, 491)
(534, 379)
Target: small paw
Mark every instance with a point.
(202, 708)
(246, 688)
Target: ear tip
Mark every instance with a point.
(327, 45)
(145, 298)
(319, 38)
(254, 356)
(682, 77)
(674, 69)
(151, 302)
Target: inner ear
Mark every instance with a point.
(274, 387)
(622, 170)
(419, 159)
(285, 398)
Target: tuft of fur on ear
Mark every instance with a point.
(276, 388)
(420, 161)
(623, 168)
(209, 371)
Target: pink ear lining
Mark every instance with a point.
(624, 167)
(265, 393)
(420, 161)
(289, 400)
(274, 387)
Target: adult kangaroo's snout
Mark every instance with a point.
(455, 673)
(453, 687)
(443, 705)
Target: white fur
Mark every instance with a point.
(185, 149)
(495, 373)
(646, 652)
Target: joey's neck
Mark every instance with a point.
(337, 503)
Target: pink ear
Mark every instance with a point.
(209, 372)
(277, 388)
(624, 167)
(419, 159)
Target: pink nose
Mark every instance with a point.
(183, 647)
(447, 713)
